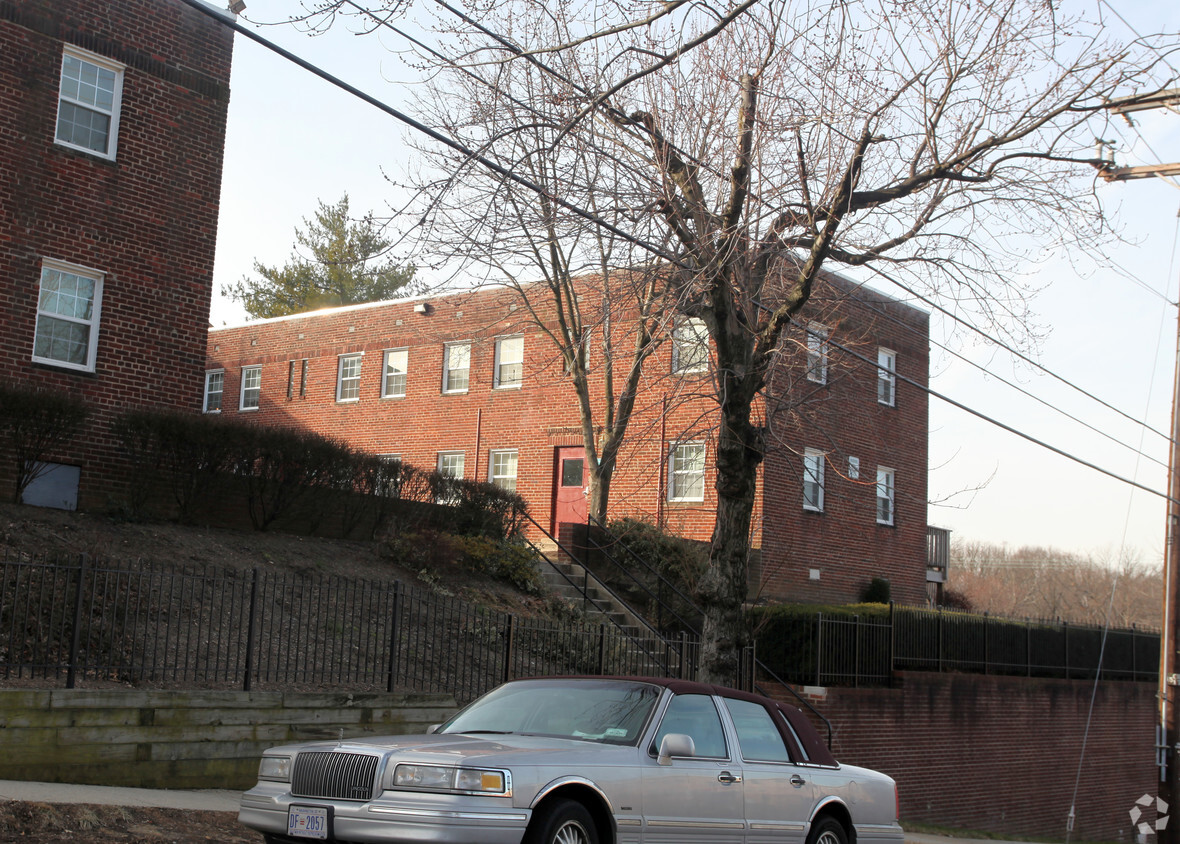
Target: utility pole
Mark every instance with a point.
(1168, 728)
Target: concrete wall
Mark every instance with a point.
(163, 739)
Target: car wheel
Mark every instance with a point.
(827, 830)
(562, 822)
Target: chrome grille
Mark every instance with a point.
(338, 776)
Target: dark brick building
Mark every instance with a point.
(469, 385)
(112, 129)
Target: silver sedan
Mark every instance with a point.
(581, 761)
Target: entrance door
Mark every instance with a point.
(570, 486)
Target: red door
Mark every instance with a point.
(570, 486)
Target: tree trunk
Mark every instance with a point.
(722, 590)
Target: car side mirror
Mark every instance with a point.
(676, 744)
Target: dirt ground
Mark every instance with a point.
(42, 823)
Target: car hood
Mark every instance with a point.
(459, 749)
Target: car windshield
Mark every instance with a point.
(610, 711)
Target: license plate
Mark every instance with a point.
(307, 822)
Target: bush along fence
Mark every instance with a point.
(81, 622)
(865, 645)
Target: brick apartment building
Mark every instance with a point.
(112, 129)
(470, 385)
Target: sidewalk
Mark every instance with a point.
(54, 792)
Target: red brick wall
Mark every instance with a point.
(543, 415)
(148, 219)
(1001, 753)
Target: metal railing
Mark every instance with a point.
(828, 649)
(220, 628)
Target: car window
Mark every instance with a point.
(758, 737)
(696, 716)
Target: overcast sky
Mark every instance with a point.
(293, 139)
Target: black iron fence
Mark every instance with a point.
(837, 649)
(255, 629)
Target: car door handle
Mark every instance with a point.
(798, 781)
(728, 778)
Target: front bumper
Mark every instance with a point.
(394, 817)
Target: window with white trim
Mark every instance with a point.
(456, 367)
(690, 346)
(88, 102)
(886, 376)
(817, 353)
(686, 472)
(68, 305)
(348, 378)
(450, 463)
(393, 377)
(583, 351)
(813, 480)
(502, 468)
(251, 388)
(214, 387)
(509, 363)
(885, 496)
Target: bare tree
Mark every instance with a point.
(939, 140)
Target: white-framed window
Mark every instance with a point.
(456, 367)
(817, 353)
(686, 472)
(690, 346)
(502, 468)
(509, 363)
(813, 480)
(348, 377)
(251, 388)
(88, 102)
(68, 306)
(450, 463)
(885, 496)
(886, 376)
(393, 376)
(214, 387)
(583, 351)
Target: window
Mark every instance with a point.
(303, 378)
(817, 353)
(885, 496)
(456, 367)
(583, 351)
(88, 102)
(214, 386)
(348, 378)
(686, 473)
(696, 716)
(690, 346)
(509, 363)
(502, 469)
(450, 463)
(251, 388)
(66, 333)
(393, 379)
(758, 736)
(886, 376)
(813, 480)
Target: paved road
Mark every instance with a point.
(227, 801)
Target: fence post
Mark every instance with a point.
(601, 649)
(508, 644)
(683, 653)
(1028, 646)
(250, 630)
(939, 631)
(394, 623)
(986, 650)
(819, 646)
(892, 643)
(76, 633)
(1065, 629)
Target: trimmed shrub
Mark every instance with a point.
(34, 423)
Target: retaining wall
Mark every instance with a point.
(165, 739)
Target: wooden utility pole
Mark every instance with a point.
(1168, 728)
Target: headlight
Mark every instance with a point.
(439, 778)
(275, 768)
